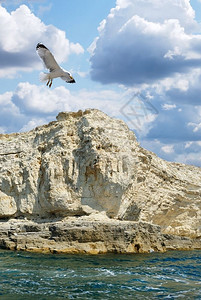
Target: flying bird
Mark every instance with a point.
(54, 69)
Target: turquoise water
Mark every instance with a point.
(171, 275)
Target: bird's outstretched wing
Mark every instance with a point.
(47, 57)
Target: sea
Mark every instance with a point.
(170, 275)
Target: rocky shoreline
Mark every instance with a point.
(86, 236)
(82, 184)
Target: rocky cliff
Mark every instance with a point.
(83, 183)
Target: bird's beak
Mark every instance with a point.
(72, 79)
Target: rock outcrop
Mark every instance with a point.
(86, 165)
(81, 235)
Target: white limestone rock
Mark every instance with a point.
(87, 162)
(7, 205)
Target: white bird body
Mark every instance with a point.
(50, 63)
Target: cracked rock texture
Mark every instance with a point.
(87, 164)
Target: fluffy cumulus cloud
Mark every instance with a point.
(154, 47)
(144, 41)
(20, 31)
(31, 105)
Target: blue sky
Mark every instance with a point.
(137, 60)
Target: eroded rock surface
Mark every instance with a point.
(87, 163)
(81, 235)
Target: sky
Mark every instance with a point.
(136, 60)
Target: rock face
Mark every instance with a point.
(86, 164)
(81, 235)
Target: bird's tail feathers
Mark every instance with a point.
(44, 76)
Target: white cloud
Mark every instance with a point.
(33, 99)
(168, 148)
(154, 46)
(82, 74)
(168, 106)
(196, 126)
(145, 41)
(31, 105)
(20, 31)
(185, 91)
(7, 105)
(123, 3)
(177, 152)
(10, 116)
(33, 123)
(174, 125)
(193, 145)
(189, 158)
(40, 100)
(188, 144)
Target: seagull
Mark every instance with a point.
(54, 69)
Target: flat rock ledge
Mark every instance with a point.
(83, 184)
(86, 236)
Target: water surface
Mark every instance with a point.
(171, 275)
